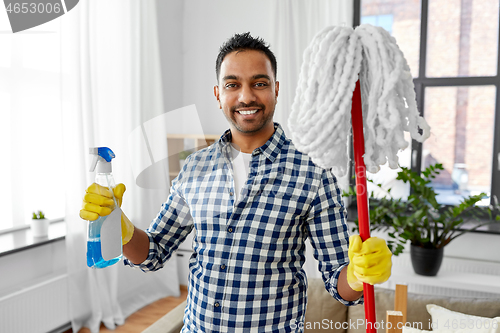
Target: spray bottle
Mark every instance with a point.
(104, 242)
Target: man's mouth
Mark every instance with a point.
(247, 112)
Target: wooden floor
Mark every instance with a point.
(146, 316)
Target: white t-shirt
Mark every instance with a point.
(241, 168)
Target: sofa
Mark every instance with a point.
(325, 314)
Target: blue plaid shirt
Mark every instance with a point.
(246, 269)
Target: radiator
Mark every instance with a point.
(480, 278)
(39, 308)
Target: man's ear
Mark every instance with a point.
(276, 89)
(216, 94)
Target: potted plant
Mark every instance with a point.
(39, 224)
(421, 220)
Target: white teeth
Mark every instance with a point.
(247, 112)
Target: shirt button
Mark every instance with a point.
(217, 304)
(231, 193)
(230, 229)
(222, 266)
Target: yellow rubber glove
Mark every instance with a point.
(370, 262)
(98, 201)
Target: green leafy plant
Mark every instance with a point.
(421, 219)
(184, 154)
(38, 215)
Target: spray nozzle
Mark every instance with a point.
(103, 153)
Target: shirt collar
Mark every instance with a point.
(270, 149)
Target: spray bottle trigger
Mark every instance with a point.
(95, 158)
(106, 153)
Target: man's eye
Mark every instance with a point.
(261, 84)
(230, 85)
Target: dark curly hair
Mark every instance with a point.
(241, 42)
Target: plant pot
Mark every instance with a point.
(494, 227)
(40, 228)
(426, 261)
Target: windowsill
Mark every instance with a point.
(19, 240)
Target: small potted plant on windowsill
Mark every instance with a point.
(39, 225)
(428, 225)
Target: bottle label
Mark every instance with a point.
(111, 235)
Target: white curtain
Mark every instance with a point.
(111, 80)
(296, 24)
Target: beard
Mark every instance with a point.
(253, 125)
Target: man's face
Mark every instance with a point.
(247, 92)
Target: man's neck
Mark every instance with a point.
(247, 143)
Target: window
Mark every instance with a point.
(384, 21)
(30, 126)
(452, 49)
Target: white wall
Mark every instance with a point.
(171, 40)
(191, 32)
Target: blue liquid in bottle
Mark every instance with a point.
(94, 253)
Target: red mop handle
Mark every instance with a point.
(361, 194)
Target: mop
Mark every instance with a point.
(381, 105)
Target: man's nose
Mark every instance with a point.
(246, 95)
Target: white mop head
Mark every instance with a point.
(321, 112)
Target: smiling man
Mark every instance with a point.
(252, 200)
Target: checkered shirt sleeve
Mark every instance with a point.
(167, 231)
(329, 234)
(245, 273)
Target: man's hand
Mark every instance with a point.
(98, 201)
(370, 262)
